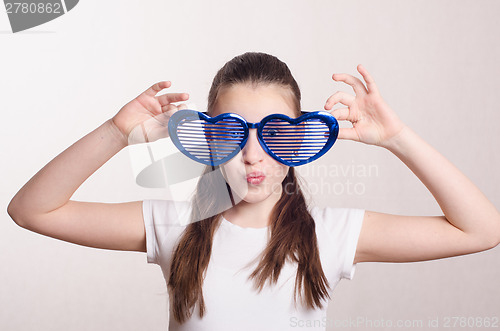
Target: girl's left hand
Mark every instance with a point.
(373, 121)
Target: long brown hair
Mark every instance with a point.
(292, 227)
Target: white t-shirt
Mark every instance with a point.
(231, 301)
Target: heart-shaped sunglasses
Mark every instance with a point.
(215, 140)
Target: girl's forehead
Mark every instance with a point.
(254, 103)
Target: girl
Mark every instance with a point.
(268, 261)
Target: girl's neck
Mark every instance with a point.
(252, 215)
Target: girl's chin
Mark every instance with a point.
(253, 199)
(253, 193)
(255, 196)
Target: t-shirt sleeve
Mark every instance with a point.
(151, 242)
(163, 221)
(338, 232)
(355, 221)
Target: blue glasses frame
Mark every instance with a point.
(216, 140)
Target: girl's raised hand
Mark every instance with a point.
(145, 118)
(373, 121)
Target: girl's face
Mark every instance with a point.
(253, 174)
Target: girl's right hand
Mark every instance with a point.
(145, 118)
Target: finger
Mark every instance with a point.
(165, 99)
(370, 82)
(341, 114)
(182, 106)
(169, 108)
(153, 90)
(161, 119)
(356, 84)
(154, 128)
(342, 97)
(348, 133)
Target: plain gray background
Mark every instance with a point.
(435, 63)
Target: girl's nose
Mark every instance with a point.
(252, 152)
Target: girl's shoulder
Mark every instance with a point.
(167, 212)
(336, 220)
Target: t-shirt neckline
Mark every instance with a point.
(235, 227)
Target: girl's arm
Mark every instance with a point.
(470, 223)
(42, 205)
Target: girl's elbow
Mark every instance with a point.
(492, 238)
(487, 238)
(492, 242)
(13, 210)
(496, 240)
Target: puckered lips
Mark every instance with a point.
(255, 178)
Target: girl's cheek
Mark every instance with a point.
(280, 170)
